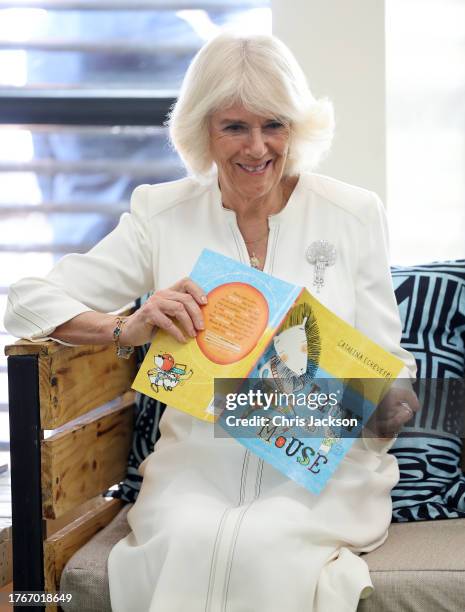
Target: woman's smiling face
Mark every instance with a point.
(250, 150)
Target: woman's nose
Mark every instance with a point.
(256, 144)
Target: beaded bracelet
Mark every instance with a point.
(121, 351)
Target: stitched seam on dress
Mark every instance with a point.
(245, 463)
(211, 577)
(23, 312)
(19, 314)
(150, 238)
(245, 469)
(238, 246)
(175, 203)
(258, 478)
(332, 201)
(232, 549)
(273, 252)
(242, 479)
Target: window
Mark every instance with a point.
(85, 86)
(425, 53)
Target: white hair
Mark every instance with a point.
(259, 72)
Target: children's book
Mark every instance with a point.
(273, 368)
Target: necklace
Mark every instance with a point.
(254, 261)
(253, 258)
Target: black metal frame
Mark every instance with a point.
(26, 497)
(60, 108)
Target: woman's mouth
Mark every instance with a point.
(260, 169)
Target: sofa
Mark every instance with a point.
(70, 440)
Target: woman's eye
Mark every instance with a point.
(234, 128)
(275, 125)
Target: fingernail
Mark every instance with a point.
(203, 299)
(193, 333)
(409, 409)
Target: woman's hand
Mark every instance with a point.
(397, 408)
(180, 303)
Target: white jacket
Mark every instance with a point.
(214, 526)
(158, 242)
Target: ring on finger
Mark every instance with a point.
(408, 408)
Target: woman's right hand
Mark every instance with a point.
(180, 303)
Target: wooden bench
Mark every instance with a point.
(71, 420)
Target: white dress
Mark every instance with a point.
(214, 528)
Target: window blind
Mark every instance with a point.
(85, 87)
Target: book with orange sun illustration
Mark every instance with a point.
(244, 309)
(257, 327)
(274, 369)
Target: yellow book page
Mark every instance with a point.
(345, 353)
(236, 334)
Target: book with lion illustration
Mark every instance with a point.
(271, 368)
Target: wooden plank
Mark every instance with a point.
(6, 591)
(86, 458)
(6, 564)
(74, 380)
(62, 545)
(26, 347)
(54, 525)
(44, 347)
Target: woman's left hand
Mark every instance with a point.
(397, 408)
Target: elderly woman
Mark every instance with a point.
(214, 527)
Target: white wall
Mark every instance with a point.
(340, 44)
(426, 128)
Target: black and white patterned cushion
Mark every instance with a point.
(147, 415)
(431, 300)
